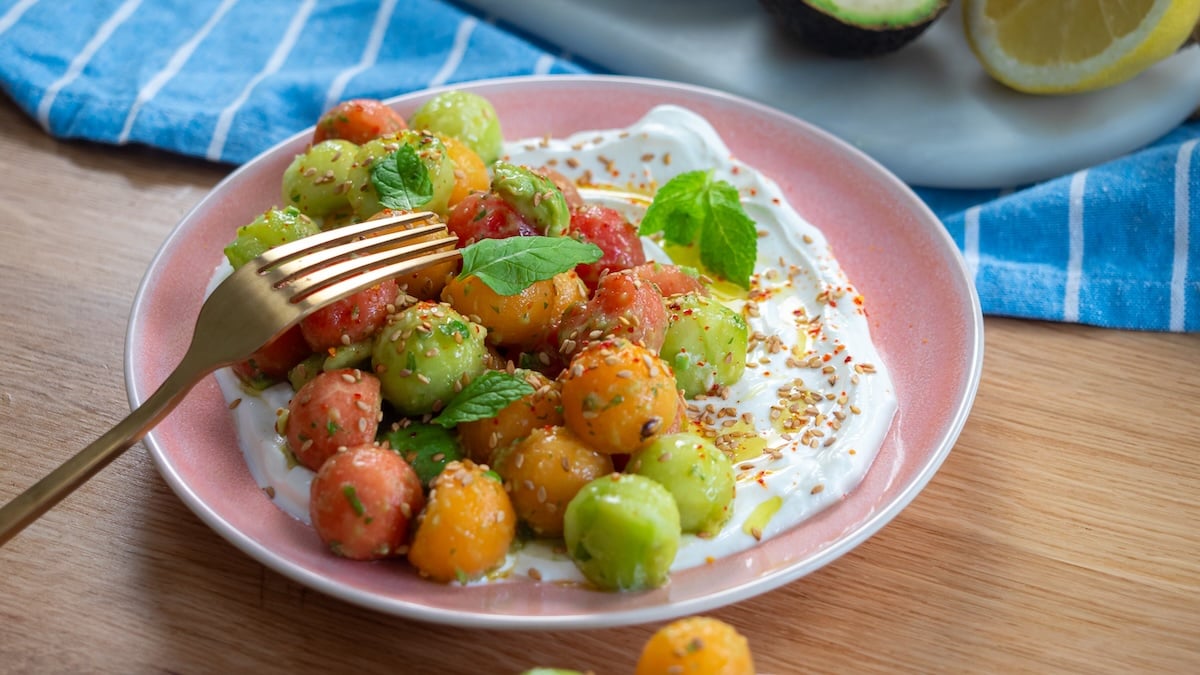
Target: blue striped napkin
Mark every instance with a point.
(225, 79)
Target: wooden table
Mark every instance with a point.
(1060, 536)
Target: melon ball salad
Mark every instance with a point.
(536, 389)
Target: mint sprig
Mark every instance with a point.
(693, 208)
(401, 180)
(483, 398)
(510, 265)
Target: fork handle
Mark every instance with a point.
(44, 494)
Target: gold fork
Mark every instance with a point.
(252, 306)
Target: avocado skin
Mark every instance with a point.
(832, 36)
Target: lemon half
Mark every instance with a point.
(1070, 46)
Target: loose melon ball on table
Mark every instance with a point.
(467, 526)
(424, 355)
(696, 645)
(617, 396)
(622, 531)
(362, 501)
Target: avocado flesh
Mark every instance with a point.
(856, 28)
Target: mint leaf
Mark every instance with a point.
(401, 180)
(692, 208)
(729, 243)
(678, 209)
(485, 396)
(510, 265)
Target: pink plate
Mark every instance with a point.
(925, 319)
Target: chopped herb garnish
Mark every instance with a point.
(352, 497)
(453, 327)
(485, 396)
(510, 265)
(692, 208)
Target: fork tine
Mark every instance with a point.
(312, 261)
(285, 253)
(352, 279)
(301, 286)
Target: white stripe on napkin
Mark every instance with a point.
(162, 77)
(369, 55)
(81, 59)
(225, 120)
(1075, 244)
(14, 14)
(1179, 266)
(544, 63)
(461, 38)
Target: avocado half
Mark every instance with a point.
(856, 28)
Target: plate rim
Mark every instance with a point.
(580, 620)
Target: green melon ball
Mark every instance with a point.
(319, 180)
(622, 531)
(468, 117)
(698, 475)
(365, 197)
(424, 355)
(705, 343)
(270, 229)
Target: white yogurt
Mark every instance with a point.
(812, 332)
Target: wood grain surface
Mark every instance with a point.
(1061, 535)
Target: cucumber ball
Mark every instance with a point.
(466, 116)
(705, 343)
(622, 531)
(364, 197)
(319, 180)
(698, 475)
(425, 354)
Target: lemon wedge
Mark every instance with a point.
(1071, 46)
